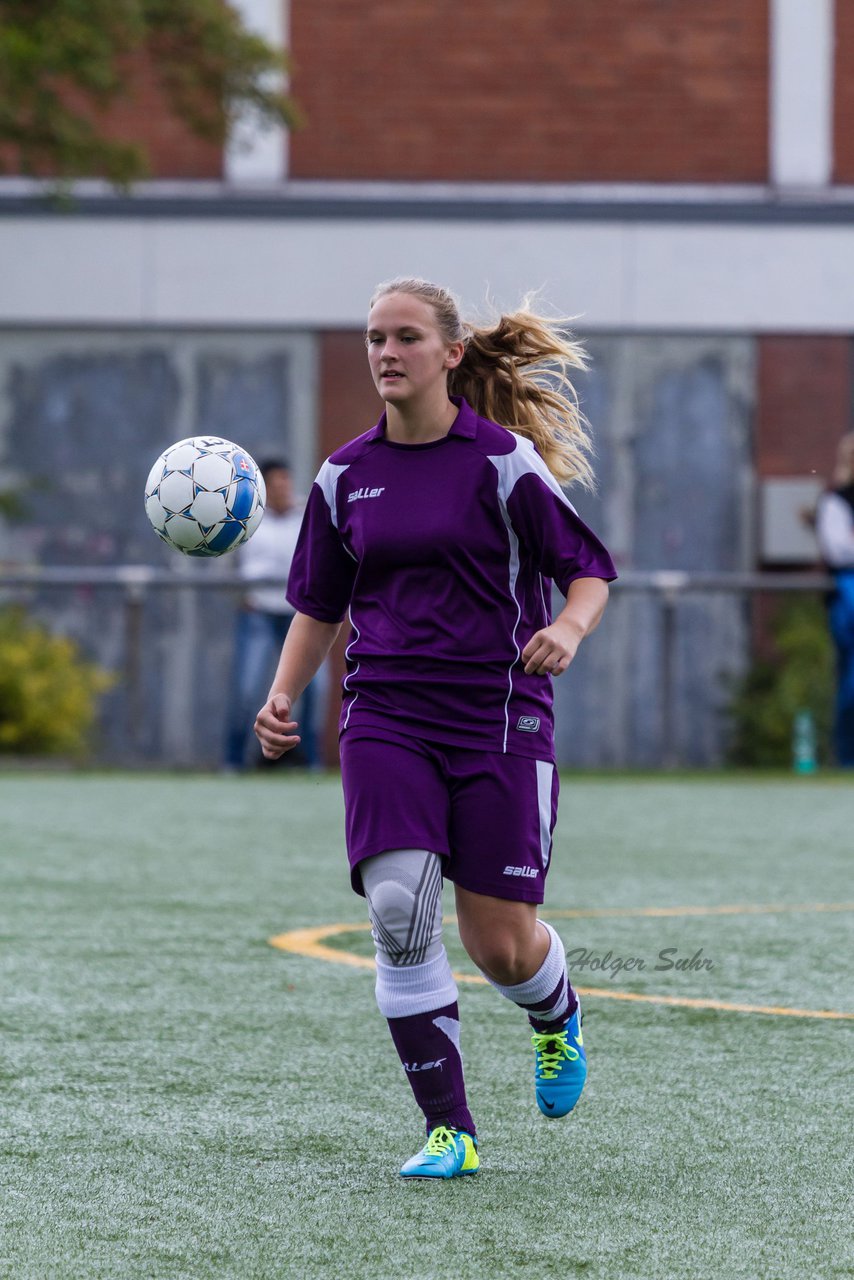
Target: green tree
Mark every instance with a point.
(62, 62)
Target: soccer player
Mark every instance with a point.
(440, 532)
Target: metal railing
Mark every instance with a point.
(669, 586)
(137, 584)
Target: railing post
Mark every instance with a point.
(670, 584)
(134, 709)
(668, 653)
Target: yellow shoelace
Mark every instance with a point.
(440, 1139)
(551, 1049)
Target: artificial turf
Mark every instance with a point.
(181, 1099)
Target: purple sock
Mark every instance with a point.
(428, 1045)
(564, 998)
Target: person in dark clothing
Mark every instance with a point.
(835, 530)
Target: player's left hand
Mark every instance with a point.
(550, 651)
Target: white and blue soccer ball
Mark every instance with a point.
(204, 496)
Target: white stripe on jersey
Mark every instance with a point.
(327, 480)
(547, 613)
(524, 460)
(356, 637)
(514, 574)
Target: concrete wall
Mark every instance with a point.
(84, 416)
(723, 269)
(673, 421)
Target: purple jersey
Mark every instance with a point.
(444, 554)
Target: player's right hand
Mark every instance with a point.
(274, 727)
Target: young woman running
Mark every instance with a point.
(441, 533)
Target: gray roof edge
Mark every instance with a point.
(477, 201)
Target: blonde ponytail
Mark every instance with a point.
(515, 372)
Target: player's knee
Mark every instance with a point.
(392, 906)
(407, 928)
(502, 959)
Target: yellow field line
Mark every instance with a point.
(738, 909)
(310, 943)
(307, 942)
(686, 1003)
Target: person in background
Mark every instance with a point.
(835, 530)
(265, 617)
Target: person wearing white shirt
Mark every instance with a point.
(265, 617)
(835, 530)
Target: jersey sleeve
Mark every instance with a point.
(323, 571)
(549, 527)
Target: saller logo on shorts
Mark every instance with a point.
(530, 873)
(528, 724)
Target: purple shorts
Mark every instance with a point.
(490, 816)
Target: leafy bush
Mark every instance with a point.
(48, 692)
(801, 676)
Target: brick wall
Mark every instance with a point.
(556, 90)
(804, 403)
(561, 90)
(145, 116)
(349, 401)
(844, 94)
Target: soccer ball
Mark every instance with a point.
(204, 496)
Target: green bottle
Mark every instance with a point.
(804, 742)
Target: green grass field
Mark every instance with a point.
(181, 1099)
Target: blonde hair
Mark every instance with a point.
(515, 372)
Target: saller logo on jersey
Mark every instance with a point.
(528, 724)
(529, 873)
(365, 493)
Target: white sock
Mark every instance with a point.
(547, 996)
(403, 990)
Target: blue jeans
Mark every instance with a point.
(257, 644)
(842, 630)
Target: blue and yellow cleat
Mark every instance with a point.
(560, 1067)
(448, 1153)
